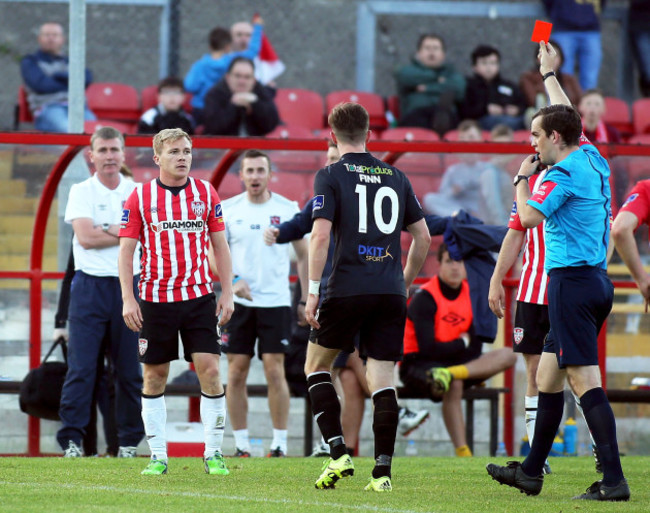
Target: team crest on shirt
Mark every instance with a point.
(198, 207)
(518, 335)
(274, 220)
(143, 344)
(630, 199)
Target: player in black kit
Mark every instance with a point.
(366, 203)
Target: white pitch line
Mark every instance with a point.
(235, 498)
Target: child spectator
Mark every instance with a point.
(169, 112)
(592, 110)
(490, 99)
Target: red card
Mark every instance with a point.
(541, 32)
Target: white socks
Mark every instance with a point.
(241, 439)
(279, 440)
(154, 416)
(213, 416)
(530, 404)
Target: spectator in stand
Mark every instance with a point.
(489, 98)
(442, 355)
(576, 27)
(169, 112)
(45, 74)
(210, 68)
(241, 33)
(460, 187)
(592, 110)
(430, 88)
(532, 85)
(496, 183)
(638, 20)
(239, 105)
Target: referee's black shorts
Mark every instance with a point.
(579, 301)
(194, 319)
(531, 327)
(378, 318)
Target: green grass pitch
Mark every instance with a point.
(50, 485)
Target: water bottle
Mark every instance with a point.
(411, 448)
(570, 437)
(501, 449)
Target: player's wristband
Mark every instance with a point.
(549, 74)
(236, 279)
(314, 287)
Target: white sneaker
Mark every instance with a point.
(321, 450)
(409, 420)
(73, 451)
(127, 451)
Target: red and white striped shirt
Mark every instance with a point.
(533, 279)
(174, 231)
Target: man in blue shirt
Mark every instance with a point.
(45, 74)
(574, 199)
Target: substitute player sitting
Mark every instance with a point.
(175, 217)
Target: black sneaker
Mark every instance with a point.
(599, 492)
(598, 463)
(512, 475)
(241, 454)
(276, 453)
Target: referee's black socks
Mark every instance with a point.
(384, 427)
(327, 411)
(602, 424)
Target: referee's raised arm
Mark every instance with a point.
(547, 58)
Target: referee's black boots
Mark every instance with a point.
(513, 475)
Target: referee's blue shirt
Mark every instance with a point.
(576, 199)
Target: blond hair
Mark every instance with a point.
(168, 135)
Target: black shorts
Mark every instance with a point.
(379, 320)
(195, 320)
(272, 326)
(531, 327)
(579, 301)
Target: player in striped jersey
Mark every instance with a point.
(175, 217)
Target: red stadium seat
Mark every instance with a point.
(641, 116)
(409, 134)
(392, 104)
(422, 163)
(521, 136)
(300, 107)
(295, 186)
(373, 103)
(125, 128)
(638, 168)
(23, 113)
(112, 100)
(290, 132)
(230, 185)
(617, 114)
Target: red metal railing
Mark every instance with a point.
(235, 146)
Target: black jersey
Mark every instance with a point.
(369, 203)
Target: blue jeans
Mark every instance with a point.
(54, 118)
(96, 309)
(490, 121)
(587, 47)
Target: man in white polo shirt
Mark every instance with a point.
(262, 299)
(94, 209)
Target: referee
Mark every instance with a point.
(574, 199)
